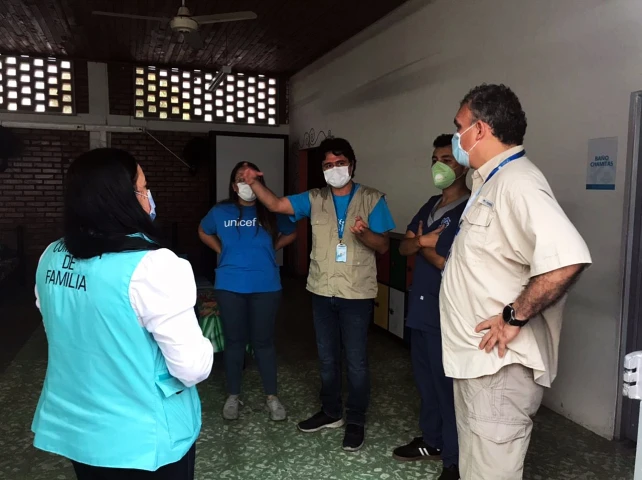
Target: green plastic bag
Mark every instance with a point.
(213, 331)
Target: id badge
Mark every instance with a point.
(342, 253)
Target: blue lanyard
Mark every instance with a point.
(474, 196)
(342, 224)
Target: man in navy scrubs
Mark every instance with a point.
(438, 217)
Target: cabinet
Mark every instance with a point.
(394, 275)
(381, 307)
(397, 313)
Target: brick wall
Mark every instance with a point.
(31, 188)
(120, 79)
(181, 198)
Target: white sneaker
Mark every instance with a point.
(231, 408)
(276, 409)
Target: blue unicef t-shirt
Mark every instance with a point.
(379, 221)
(248, 260)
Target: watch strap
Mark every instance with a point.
(509, 317)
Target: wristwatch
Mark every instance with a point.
(509, 317)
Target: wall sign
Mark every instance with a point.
(602, 161)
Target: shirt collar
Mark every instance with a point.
(488, 167)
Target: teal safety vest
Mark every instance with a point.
(108, 399)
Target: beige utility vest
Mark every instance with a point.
(357, 277)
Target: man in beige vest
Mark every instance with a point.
(342, 279)
(504, 287)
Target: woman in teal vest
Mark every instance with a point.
(125, 349)
(248, 285)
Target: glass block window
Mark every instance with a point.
(172, 93)
(36, 85)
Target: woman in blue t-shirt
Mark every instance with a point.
(248, 284)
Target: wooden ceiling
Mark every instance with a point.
(287, 36)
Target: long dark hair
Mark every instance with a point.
(267, 219)
(101, 211)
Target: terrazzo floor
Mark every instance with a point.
(256, 448)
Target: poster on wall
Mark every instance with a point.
(602, 160)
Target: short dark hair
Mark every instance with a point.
(101, 211)
(443, 140)
(338, 146)
(499, 107)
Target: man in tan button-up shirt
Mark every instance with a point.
(504, 287)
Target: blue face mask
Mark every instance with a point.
(152, 205)
(461, 156)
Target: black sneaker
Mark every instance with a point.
(319, 422)
(450, 473)
(416, 450)
(354, 438)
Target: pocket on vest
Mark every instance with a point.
(180, 409)
(319, 225)
(362, 256)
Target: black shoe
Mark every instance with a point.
(354, 438)
(450, 473)
(416, 450)
(319, 422)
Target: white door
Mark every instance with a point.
(267, 153)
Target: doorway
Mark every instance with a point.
(632, 296)
(315, 180)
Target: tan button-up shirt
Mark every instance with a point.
(512, 231)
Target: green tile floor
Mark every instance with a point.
(256, 448)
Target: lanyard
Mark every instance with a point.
(342, 221)
(474, 196)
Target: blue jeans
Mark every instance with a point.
(437, 417)
(339, 322)
(249, 318)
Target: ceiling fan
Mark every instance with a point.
(187, 24)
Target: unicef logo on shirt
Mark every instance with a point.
(241, 223)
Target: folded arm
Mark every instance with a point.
(163, 293)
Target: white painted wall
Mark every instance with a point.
(573, 63)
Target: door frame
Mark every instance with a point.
(213, 135)
(631, 310)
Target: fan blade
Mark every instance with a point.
(127, 15)
(194, 40)
(224, 17)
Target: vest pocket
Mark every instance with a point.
(179, 407)
(360, 255)
(320, 234)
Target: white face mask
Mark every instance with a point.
(245, 192)
(337, 177)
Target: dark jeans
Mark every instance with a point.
(181, 470)
(437, 418)
(249, 318)
(338, 322)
